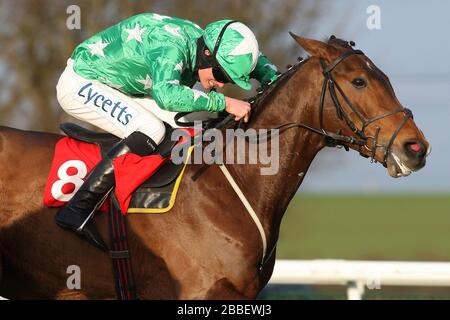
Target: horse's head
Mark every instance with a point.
(359, 103)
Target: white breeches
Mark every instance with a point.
(107, 108)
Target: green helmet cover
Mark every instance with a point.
(237, 52)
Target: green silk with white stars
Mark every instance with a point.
(153, 55)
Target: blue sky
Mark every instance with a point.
(413, 49)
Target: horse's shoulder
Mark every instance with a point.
(3, 136)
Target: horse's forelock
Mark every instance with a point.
(338, 43)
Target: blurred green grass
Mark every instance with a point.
(367, 227)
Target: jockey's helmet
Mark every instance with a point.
(234, 52)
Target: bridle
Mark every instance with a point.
(331, 139)
(363, 140)
(337, 139)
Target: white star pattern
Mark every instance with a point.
(159, 17)
(173, 30)
(198, 94)
(147, 82)
(136, 33)
(179, 66)
(97, 48)
(176, 82)
(247, 45)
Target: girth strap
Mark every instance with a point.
(120, 254)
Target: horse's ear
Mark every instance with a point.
(316, 48)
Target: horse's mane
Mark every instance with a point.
(271, 87)
(339, 43)
(263, 94)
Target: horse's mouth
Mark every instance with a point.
(396, 168)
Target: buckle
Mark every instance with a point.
(124, 254)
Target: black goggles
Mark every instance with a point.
(221, 75)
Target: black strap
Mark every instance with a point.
(120, 254)
(221, 121)
(346, 54)
(180, 115)
(219, 38)
(408, 115)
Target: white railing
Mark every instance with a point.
(357, 275)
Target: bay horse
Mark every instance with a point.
(207, 246)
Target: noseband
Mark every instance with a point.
(363, 139)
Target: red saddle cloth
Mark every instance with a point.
(74, 159)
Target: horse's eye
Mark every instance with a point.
(359, 83)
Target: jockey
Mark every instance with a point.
(159, 58)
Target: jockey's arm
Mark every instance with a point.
(171, 95)
(265, 71)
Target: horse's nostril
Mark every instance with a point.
(415, 148)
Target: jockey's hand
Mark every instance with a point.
(240, 109)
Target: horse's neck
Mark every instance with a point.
(269, 195)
